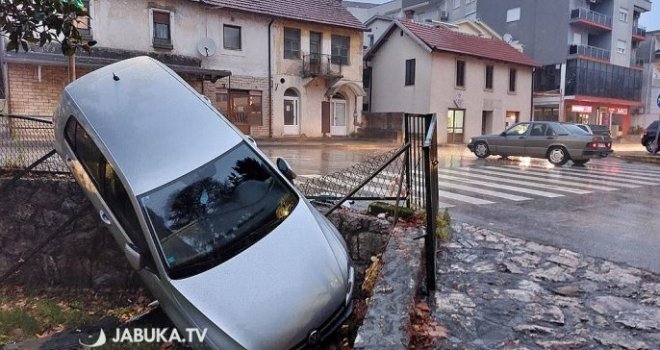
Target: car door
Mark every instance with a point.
(512, 142)
(536, 142)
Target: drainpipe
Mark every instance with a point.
(531, 103)
(270, 80)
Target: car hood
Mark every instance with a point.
(274, 293)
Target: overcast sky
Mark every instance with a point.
(651, 20)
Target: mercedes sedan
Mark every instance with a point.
(557, 142)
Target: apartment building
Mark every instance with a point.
(592, 72)
(649, 50)
(272, 67)
(475, 85)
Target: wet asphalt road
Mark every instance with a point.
(608, 209)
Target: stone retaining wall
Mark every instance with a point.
(83, 255)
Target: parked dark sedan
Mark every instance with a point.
(557, 142)
(649, 136)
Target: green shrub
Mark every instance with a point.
(376, 208)
(443, 226)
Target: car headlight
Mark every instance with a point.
(470, 141)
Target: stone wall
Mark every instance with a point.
(83, 255)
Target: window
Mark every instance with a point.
(292, 43)
(410, 72)
(340, 47)
(108, 184)
(538, 129)
(623, 15)
(371, 40)
(457, 4)
(315, 44)
(162, 35)
(513, 14)
(621, 46)
(460, 73)
(231, 37)
(512, 79)
(518, 130)
(245, 106)
(83, 23)
(489, 77)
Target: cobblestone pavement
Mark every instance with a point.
(499, 292)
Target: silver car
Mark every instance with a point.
(557, 142)
(217, 233)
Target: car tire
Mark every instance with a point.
(580, 162)
(481, 150)
(648, 147)
(557, 155)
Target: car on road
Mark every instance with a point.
(557, 142)
(649, 136)
(216, 232)
(596, 129)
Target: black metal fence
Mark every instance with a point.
(25, 140)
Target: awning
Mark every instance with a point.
(351, 85)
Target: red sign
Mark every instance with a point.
(581, 109)
(623, 111)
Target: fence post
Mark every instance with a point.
(431, 201)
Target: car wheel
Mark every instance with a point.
(557, 155)
(580, 162)
(649, 147)
(481, 150)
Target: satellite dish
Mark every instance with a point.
(507, 37)
(206, 47)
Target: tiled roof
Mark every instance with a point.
(443, 39)
(330, 12)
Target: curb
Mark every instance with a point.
(639, 158)
(385, 326)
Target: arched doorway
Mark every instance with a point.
(338, 113)
(291, 112)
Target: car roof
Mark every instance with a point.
(151, 125)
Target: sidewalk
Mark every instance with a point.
(634, 152)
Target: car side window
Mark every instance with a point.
(538, 130)
(550, 131)
(518, 130)
(107, 183)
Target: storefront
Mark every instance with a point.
(615, 116)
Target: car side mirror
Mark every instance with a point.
(252, 141)
(134, 257)
(503, 134)
(285, 169)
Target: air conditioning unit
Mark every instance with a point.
(444, 15)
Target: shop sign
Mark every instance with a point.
(581, 109)
(623, 111)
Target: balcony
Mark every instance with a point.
(586, 51)
(638, 33)
(591, 19)
(636, 62)
(644, 5)
(319, 65)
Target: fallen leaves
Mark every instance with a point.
(424, 331)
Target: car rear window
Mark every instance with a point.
(573, 129)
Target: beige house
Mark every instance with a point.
(274, 68)
(476, 85)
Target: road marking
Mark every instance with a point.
(463, 198)
(484, 191)
(518, 174)
(622, 167)
(482, 177)
(582, 175)
(502, 187)
(622, 174)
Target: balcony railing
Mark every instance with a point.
(319, 65)
(589, 51)
(636, 62)
(639, 31)
(591, 16)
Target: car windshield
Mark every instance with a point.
(574, 130)
(216, 211)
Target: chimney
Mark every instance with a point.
(409, 14)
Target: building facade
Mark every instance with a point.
(255, 62)
(474, 85)
(650, 49)
(589, 49)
